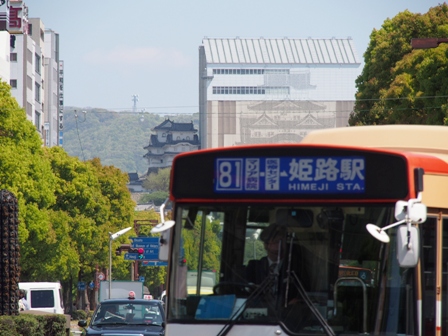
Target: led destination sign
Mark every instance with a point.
(290, 175)
(289, 172)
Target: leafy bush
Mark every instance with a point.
(79, 315)
(8, 326)
(28, 325)
(33, 325)
(55, 325)
(158, 197)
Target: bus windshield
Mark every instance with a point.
(310, 268)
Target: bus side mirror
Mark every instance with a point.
(410, 213)
(408, 246)
(416, 212)
(164, 245)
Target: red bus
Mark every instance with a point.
(374, 198)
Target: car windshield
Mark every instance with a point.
(148, 313)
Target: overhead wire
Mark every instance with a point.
(77, 131)
(126, 110)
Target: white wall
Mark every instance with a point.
(4, 56)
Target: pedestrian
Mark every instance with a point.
(23, 303)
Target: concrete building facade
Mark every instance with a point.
(5, 41)
(53, 110)
(273, 90)
(29, 62)
(5, 70)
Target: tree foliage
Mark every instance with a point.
(158, 197)
(212, 244)
(96, 200)
(159, 181)
(26, 173)
(399, 85)
(117, 139)
(67, 207)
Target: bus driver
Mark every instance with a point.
(276, 263)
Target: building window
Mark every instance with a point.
(13, 57)
(37, 120)
(12, 41)
(37, 63)
(37, 92)
(257, 90)
(276, 71)
(250, 71)
(13, 83)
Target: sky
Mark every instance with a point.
(114, 50)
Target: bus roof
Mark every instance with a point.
(424, 139)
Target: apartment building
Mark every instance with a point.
(29, 60)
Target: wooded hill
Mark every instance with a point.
(116, 138)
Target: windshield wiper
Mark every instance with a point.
(303, 292)
(328, 330)
(147, 324)
(111, 322)
(266, 283)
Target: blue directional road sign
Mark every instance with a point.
(81, 285)
(149, 244)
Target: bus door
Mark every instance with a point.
(434, 273)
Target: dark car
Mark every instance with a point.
(126, 317)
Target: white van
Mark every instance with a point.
(44, 296)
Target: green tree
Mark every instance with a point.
(212, 244)
(159, 181)
(97, 201)
(117, 139)
(67, 207)
(26, 173)
(158, 197)
(401, 85)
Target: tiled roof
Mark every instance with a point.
(174, 126)
(280, 51)
(154, 142)
(133, 177)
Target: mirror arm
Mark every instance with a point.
(409, 236)
(393, 224)
(380, 233)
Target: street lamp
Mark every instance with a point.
(111, 238)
